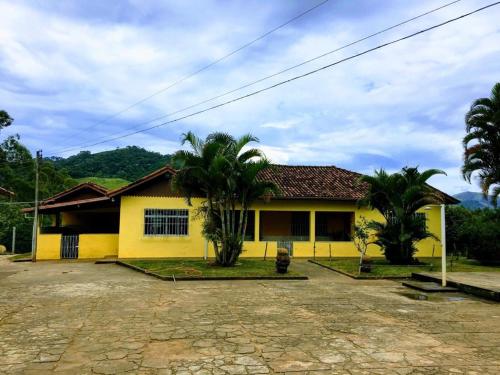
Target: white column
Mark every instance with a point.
(443, 246)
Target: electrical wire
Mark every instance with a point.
(205, 67)
(15, 203)
(380, 46)
(287, 69)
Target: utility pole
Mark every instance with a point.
(35, 219)
(13, 249)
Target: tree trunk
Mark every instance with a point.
(211, 215)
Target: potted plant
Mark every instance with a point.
(282, 260)
(366, 264)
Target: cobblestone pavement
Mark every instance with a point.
(82, 318)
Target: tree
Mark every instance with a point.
(17, 173)
(475, 234)
(5, 119)
(361, 239)
(225, 174)
(129, 163)
(398, 197)
(457, 238)
(482, 143)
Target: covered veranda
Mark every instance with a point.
(85, 229)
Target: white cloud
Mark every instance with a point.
(66, 68)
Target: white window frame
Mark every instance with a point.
(165, 222)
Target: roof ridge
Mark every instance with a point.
(316, 166)
(99, 188)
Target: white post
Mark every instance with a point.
(443, 246)
(13, 240)
(35, 219)
(205, 256)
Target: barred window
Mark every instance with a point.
(160, 222)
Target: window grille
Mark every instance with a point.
(161, 222)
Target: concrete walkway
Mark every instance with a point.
(486, 284)
(82, 318)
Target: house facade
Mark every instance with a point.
(313, 216)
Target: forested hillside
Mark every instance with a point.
(17, 174)
(129, 163)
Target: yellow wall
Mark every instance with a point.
(48, 246)
(133, 243)
(93, 246)
(90, 246)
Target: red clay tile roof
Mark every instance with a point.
(84, 185)
(315, 182)
(320, 182)
(142, 180)
(6, 192)
(73, 203)
(294, 182)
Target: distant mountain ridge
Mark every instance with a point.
(473, 200)
(128, 163)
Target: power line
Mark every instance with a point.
(298, 76)
(15, 203)
(286, 70)
(205, 67)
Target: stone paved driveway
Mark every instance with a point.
(82, 318)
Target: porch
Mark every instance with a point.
(79, 233)
(305, 233)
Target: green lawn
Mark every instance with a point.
(108, 183)
(380, 267)
(202, 268)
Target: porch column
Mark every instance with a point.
(312, 228)
(257, 225)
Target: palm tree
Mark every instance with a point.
(224, 172)
(482, 143)
(398, 197)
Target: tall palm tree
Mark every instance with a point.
(224, 171)
(482, 143)
(198, 176)
(398, 197)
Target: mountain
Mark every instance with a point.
(129, 163)
(473, 200)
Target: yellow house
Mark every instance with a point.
(313, 216)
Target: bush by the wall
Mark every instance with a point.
(475, 234)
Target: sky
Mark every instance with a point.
(68, 67)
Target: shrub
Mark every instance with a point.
(483, 230)
(475, 234)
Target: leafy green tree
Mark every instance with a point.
(5, 119)
(475, 234)
(10, 216)
(482, 143)
(457, 238)
(17, 173)
(398, 197)
(225, 174)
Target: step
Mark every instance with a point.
(428, 286)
